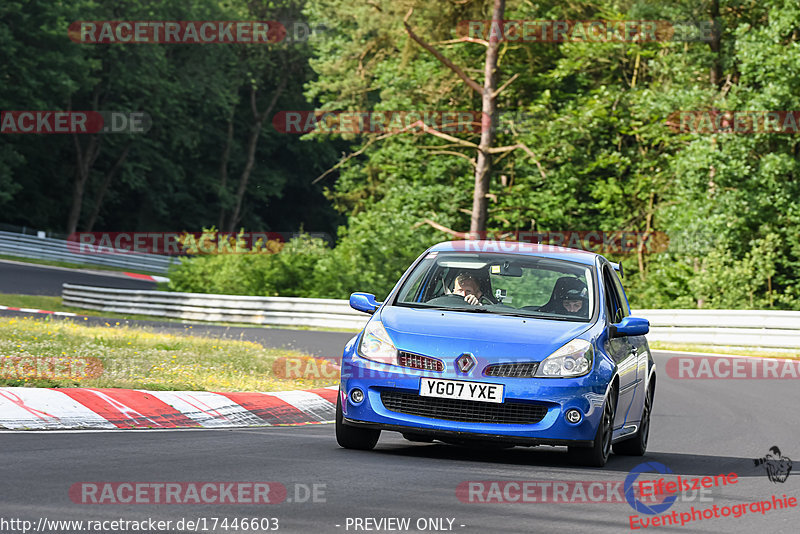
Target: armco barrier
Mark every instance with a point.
(747, 328)
(743, 328)
(326, 313)
(47, 248)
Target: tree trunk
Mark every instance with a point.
(98, 204)
(252, 143)
(223, 172)
(715, 75)
(483, 164)
(647, 229)
(84, 162)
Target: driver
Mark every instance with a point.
(572, 301)
(468, 287)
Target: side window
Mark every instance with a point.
(615, 313)
(623, 302)
(414, 286)
(415, 289)
(434, 287)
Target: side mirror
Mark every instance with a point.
(630, 326)
(364, 302)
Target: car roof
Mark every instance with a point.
(516, 247)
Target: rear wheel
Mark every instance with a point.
(597, 454)
(637, 445)
(351, 437)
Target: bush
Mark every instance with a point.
(288, 272)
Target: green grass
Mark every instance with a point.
(736, 351)
(69, 265)
(49, 353)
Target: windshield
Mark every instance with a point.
(505, 284)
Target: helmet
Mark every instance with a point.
(571, 289)
(574, 294)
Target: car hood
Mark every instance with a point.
(490, 337)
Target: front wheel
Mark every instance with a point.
(351, 437)
(597, 454)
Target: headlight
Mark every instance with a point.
(376, 345)
(573, 359)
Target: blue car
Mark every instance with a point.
(502, 342)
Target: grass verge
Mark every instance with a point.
(49, 353)
(736, 351)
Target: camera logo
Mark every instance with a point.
(778, 466)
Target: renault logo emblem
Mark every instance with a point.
(465, 362)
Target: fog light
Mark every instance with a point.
(573, 415)
(356, 395)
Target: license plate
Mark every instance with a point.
(459, 389)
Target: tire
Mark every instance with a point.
(597, 454)
(637, 444)
(351, 437)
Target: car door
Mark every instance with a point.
(641, 350)
(620, 348)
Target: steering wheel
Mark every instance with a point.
(452, 298)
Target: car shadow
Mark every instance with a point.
(680, 463)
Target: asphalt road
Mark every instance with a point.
(29, 279)
(699, 428)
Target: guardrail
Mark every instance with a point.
(746, 328)
(47, 248)
(743, 328)
(326, 313)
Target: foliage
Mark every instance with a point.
(171, 178)
(260, 271)
(594, 117)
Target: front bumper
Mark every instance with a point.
(557, 395)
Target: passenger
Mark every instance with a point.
(569, 297)
(572, 302)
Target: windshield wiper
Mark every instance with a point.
(423, 306)
(553, 317)
(447, 308)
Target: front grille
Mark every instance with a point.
(512, 370)
(417, 361)
(464, 411)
